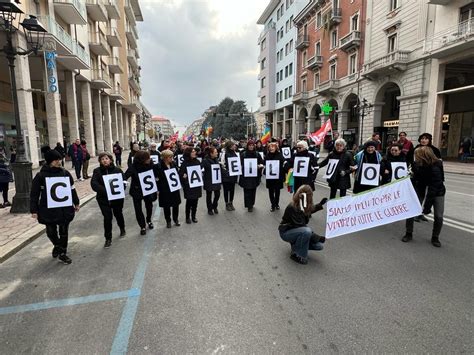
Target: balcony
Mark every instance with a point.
(132, 36)
(328, 87)
(132, 106)
(112, 9)
(130, 13)
(100, 79)
(302, 42)
(98, 43)
(115, 65)
(132, 58)
(388, 64)
(72, 11)
(69, 52)
(117, 93)
(96, 10)
(300, 96)
(134, 83)
(351, 41)
(113, 37)
(439, 2)
(459, 38)
(315, 62)
(335, 16)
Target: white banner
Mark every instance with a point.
(301, 166)
(114, 186)
(387, 204)
(250, 167)
(58, 192)
(399, 170)
(216, 173)
(173, 179)
(147, 182)
(155, 158)
(331, 168)
(234, 166)
(179, 159)
(194, 176)
(286, 152)
(272, 169)
(370, 174)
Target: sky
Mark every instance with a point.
(194, 53)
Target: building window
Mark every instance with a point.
(291, 22)
(332, 71)
(287, 4)
(319, 20)
(316, 80)
(281, 10)
(263, 44)
(355, 23)
(317, 49)
(290, 91)
(394, 4)
(352, 63)
(281, 74)
(334, 39)
(263, 63)
(286, 48)
(303, 60)
(286, 93)
(290, 69)
(278, 77)
(291, 46)
(276, 98)
(263, 101)
(278, 14)
(303, 85)
(262, 83)
(392, 43)
(467, 12)
(287, 26)
(286, 71)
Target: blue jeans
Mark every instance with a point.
(299, 240)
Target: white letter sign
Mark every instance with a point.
(301, 166)
(331, 169)
(370, 174)
(194, 176)
(234, 166)
(399, 170)
(155, 158)
(286, 152)
(272, 169)
(114, 186)
(262, 155)
(58, 192)
(250, 167)
(216, 173)
(173, 179)
(180, 159)
(147, 182)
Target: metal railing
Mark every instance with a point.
(386, 60)
(315, 60)
(461, 32)
(98, 38)
(302, 95)
(100, 74)
(115, 61)
(353, 35)
(79, 5)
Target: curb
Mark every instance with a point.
(35, 232)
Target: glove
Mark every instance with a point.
(323, 201)
(342, 173)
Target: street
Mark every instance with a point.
(227, 285)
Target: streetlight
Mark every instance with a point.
(363, 108)
(34, 33)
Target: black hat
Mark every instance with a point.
(371, 144)
(425, 135)
(51, 156)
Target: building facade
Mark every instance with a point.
(85, 83)
(162, 126)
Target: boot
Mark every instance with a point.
(435, 241)
(232, 206)
(228, 206)
(407, 237)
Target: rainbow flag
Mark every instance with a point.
(266, 135)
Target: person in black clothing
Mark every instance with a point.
(368, 155)
(274, 185)
(5, 178)
(293, 227)
(302, 151)
(259, 146)
(428, 177)
(141, 163)
(394, 155)
(340, 179)
(425, 139)
(56, 219)
(108, 208)
(209, 164)
(131, 155)
(168, 200)
(77, 156)
(154, 152)
(191, 194)
(59, 148)
(118, 150)
(250, 183)
(228, 182)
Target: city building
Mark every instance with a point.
(162, 126)
(195, 127)
(277, 44)
(85, 83)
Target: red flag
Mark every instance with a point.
(318, 136)
(174, 137)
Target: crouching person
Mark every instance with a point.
(53, 202)
(293, 227)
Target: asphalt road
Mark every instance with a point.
(227, 285)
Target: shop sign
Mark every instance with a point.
(393, 123)
(10, 132)
(445, 118)
(50, 59)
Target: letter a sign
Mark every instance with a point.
(332, 165)
(301, 166)
(370, 174)
(194, 176)
(114, 186)
(272, 169)
(173, 179)
(147, 182)
(58, 192)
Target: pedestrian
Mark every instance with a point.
(76, 154)
(165, 144)
(369, 155)
(154, 152)
(406, 144)
(340, 178)
(131, 155)
(59, 148)
(294, 228)
(250, 183)
(331, 144)
(118, 150)
(394, 155)
(168, 200)
(428, 175)
(109, 208)
(56, 219)
(191, 194)
(212, 167)
(12, 154)
(228, 182)
(302, 151)
(274, 185)
(425, 139)
(5, 178)
(86, 159)
(465, 149)
(141, 163)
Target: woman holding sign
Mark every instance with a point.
(142, 188)
(274, 175)
(169, 185)
(192, 181)
(107, 181)
(340, 165)
(212, 179)
(304, 164)
(53, 202)
(252, 163)
(230, 165)
(394, 159)
(367, 161)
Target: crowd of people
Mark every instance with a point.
(160, 173)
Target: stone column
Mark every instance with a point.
(72, 112)
(286, 114)
(99, 131)
(53, 110)
(343, 120)
(88, 117)
(113, 121)
(126, 127)
(120, 124)
(107, 123)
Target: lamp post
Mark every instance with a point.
(363, 108)
(34, 33)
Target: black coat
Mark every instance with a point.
(135, 187)
(386, 164)
(130, 158)
(225, 168)
(275, 183)
(97, 184)
(294, 217)
(206, 164)
(346, 160)
(166, 197)
(429, 177)
(250, 182)
(38, 198)
(189, 193)
(305, 180)
(411, 153)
